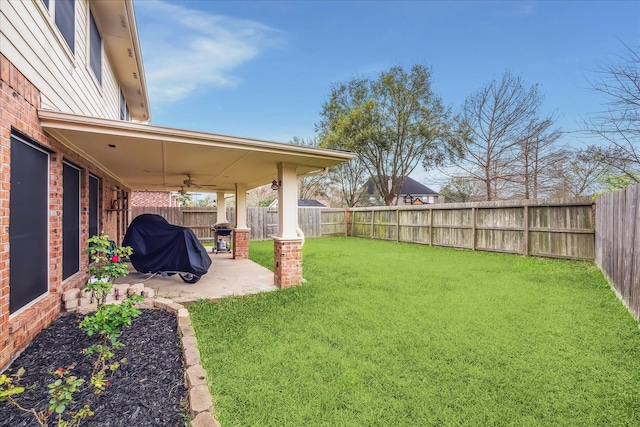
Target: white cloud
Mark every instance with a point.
(186, 49)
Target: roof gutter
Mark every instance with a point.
(318, 172)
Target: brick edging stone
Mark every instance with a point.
(200, 403)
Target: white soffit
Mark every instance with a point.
(117, 23)
(146, 157)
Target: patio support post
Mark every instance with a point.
(241, 230)
(288, 242)
(221, 210)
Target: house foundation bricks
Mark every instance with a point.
(241, 243)
(19, 104)
(287, 262)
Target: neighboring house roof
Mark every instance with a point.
(310, 203)
(410, 186)
(302, 203)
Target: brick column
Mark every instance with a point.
(287, 262)
(241, 243)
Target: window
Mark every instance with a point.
(94, 205)
(65, 20)
(46, 3)
(124, 109)
(70, 220)
(28, 223)
(95, 48)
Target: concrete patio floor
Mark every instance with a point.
(226, 277)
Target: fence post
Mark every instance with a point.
(473, 228)
(397, 224)
(373, 214)
(431, 226)
(525, 236)
(347, 221)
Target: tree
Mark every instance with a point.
(619, 123)
(349, 179)
(577, 173)
(536, 155)
(496, 119)
(207, 202)
(393, 123)
(260, 196)
(310, 187)
(185, 199)
(459, 190)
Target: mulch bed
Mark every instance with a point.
(147, 390)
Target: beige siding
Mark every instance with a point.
(30, 39)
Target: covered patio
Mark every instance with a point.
(226, 277)
(154, 158)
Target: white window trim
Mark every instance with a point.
(49, 18)
(48, 291)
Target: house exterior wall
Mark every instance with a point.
(153, 199)
(19, 102)
(31, 41)
(425, 198)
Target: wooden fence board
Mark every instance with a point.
(550, 228)
(617, 250)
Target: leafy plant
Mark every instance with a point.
(61, 393)
(7, 386)
(106, 265)
(107, 321)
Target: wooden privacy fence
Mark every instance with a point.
(557, 228)
(618, 244)
(263, 222)
(561, 228)
(200, 220)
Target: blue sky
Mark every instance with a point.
(262, 69)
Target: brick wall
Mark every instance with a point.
(153, 199)
(19, 103)
(241, 243)
(288, 262)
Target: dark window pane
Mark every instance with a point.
(94, 205)
(123, 104)
(28, 224)
(65, 20)
(46, 3)
(95, 52)
(70, 221)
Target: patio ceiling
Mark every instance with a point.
(154, 158)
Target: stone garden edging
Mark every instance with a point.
(200, 402)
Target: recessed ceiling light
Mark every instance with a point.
(112, 145)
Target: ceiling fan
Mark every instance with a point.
(192, 183)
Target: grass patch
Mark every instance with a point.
(390, 334)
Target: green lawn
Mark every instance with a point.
(389, 334)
